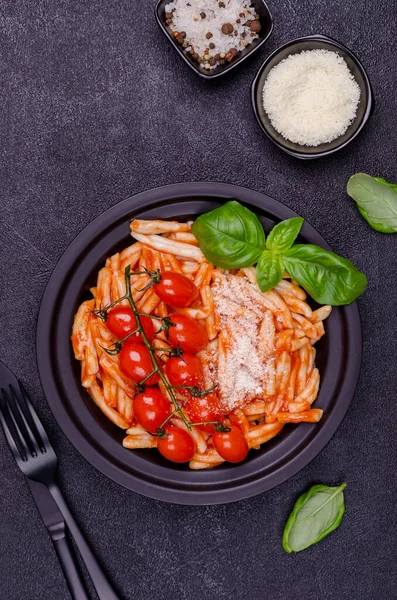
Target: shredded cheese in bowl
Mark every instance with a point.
(311, 98)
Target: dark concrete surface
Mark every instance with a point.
(96, 106)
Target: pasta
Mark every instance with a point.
(260, 355)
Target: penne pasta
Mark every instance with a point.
(155, 227)
(258, 364)
(171, 246)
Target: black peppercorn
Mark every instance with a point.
(227, 28)
(255, 26)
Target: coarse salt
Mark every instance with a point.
(311, 98)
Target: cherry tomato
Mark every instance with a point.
(176, 289)
(151, 409)
(177, 445)
(188, 333)
(204, 409)
(184, 370)
(232, 445)
(135, 363)
(121, 321)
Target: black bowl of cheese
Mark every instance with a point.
(312, 97)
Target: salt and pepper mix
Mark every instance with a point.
(211, 32)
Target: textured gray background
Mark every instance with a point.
(97, 106)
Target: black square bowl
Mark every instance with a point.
(266, 21)
(364, 110)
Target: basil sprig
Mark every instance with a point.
(376, 200)
(315, 515)
(232, 237)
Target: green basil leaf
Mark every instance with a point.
(376, 200)
(230, 237)
(269, 270)
(315, 514)
(327, 277)
(283, 235)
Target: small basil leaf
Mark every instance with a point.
(315, 514)
(230, 237)
(327, 277)
(283, 235)
(376, 200)
(269, 270)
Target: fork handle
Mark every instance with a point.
(99, 580)
(70, 570)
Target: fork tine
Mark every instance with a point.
(7, 431)
(24, 427)
(44, 441)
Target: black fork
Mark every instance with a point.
(36, 458)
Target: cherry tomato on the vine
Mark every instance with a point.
(177, 445)
(204, 409)
(176, 289)
(232, 446)
(188, 333)
(184, 370)
(121, 322)
(151, 408)
(136, 363)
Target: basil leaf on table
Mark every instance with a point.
(376, 200)
(283, 235)
(269, 270)
(327, 277)
(230, 237)
(315, 515)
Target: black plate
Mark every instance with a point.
(266, 21)
(99, 441)
(364, 110)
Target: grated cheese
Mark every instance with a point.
(311, 98)
(244, 368)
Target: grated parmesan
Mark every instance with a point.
(242, 371)
(311, 98)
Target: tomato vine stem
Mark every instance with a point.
(195, 391)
